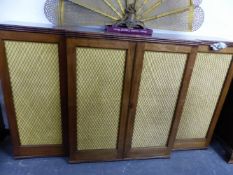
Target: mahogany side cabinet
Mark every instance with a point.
(99, 96)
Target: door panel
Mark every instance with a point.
(99, 79)
(205, 89)
(34, 92)
(34, 76)
(158, 92)
(156, 98)
(99, 84)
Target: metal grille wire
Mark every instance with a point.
(206, 83)
(158, 92)
(72, 14)
(34, 76)
(100, 74)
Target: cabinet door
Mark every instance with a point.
(99, 78)
(160, 81)
(33, 76)
(209, 84)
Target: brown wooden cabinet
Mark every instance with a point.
(120, 96)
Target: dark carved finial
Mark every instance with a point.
(129, 20)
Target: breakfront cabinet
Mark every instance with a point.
(100, 96)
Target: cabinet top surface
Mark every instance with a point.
(100, 33)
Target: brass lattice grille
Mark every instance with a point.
(34, 76)
(181, 15)
(100, 75)
(159, 88)
(206, 83)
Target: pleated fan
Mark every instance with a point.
(179, 15)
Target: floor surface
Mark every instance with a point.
(199, 162)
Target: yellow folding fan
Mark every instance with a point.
(179, 15)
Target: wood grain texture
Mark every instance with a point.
(182, 94)
(71, 69)
(39, 151)
(125, 98)
(168, 48)
(189, 144)
(64, 92)
(139, 54)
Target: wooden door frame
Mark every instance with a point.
(203, 143)
(24, 151)
(154, 152)
(99, 154)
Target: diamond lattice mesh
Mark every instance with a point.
(159, 88)
(206, 83)
(100, 75)
(80, 15)
(34, 76)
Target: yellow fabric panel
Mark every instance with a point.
(206, 83)
(100, 74)
(34, 76)
(159, 87)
